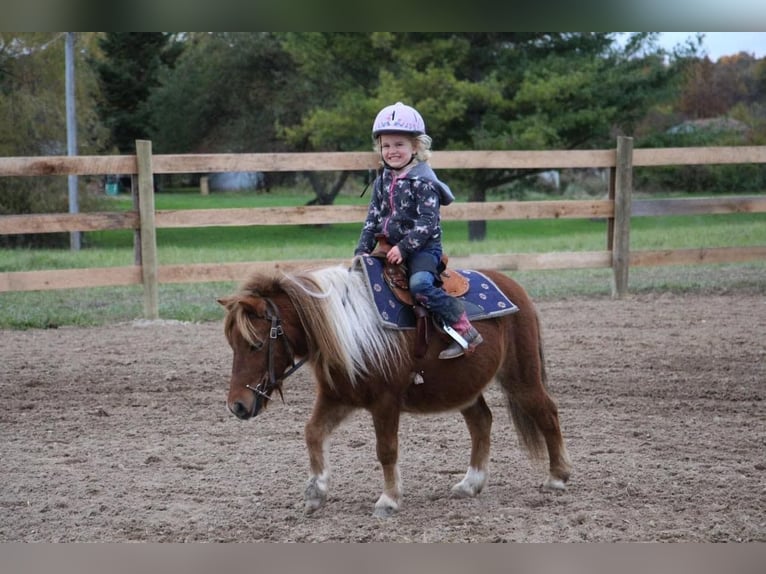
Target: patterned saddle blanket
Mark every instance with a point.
(483, 299)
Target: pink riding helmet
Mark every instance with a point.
(398, 119)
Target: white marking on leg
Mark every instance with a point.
(472, 484)
(316, 491)
(388, 503)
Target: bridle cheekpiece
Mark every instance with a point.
(265, 388)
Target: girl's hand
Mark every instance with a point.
(394, 255)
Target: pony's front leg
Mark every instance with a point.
(386, 421)
(478, 418)
(327, 415)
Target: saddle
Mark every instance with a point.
(396, 277)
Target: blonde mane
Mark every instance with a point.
(342, 324)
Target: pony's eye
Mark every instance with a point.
(257, 346)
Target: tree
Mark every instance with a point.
(32, 99)
(712, 89)
(340, 69)
(521, 90)
(319, 92)
(33, 122)
(128, 71)
(718, 104)
(228, 92)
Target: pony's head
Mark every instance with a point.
(264, 354)
(326, 314)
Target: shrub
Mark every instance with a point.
(27, 195)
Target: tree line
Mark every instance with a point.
(213, 92)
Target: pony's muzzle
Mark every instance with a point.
(240, 410)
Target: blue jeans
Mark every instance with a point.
(426, 287)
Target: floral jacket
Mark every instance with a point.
(406, 211)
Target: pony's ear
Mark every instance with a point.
(253, 304)
(227, 302)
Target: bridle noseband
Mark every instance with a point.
(264, 389)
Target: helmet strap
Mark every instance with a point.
(370, 180)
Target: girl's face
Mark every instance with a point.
(397, 150)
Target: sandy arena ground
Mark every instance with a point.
(121, 434)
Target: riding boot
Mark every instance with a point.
(468, 332)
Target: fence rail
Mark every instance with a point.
(617, 210)
(354, 161)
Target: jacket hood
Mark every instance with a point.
(423, 171)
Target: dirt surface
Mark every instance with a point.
(121, 434)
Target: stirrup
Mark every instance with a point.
(455, 335)
(456, 350)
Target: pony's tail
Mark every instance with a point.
(528, 400)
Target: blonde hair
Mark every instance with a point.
(421, 143)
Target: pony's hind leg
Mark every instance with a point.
(327, 415)
(478, 418)
(559, 466)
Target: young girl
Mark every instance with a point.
(404, 208)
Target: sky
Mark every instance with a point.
(718, 44)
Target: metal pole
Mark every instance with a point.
(71, 134)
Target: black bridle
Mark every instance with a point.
(264, 389)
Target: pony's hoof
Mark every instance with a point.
(555, 484)
(311, 506)
(461, 490)
(385, 507)
(384, 511)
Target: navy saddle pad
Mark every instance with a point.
(482, 301)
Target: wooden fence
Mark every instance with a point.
(617, 210)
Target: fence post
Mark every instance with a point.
(610, 220)
(622, 206)
(149, 274)
(137, 231)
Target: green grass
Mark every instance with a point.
(196, 302)
(281, 242)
